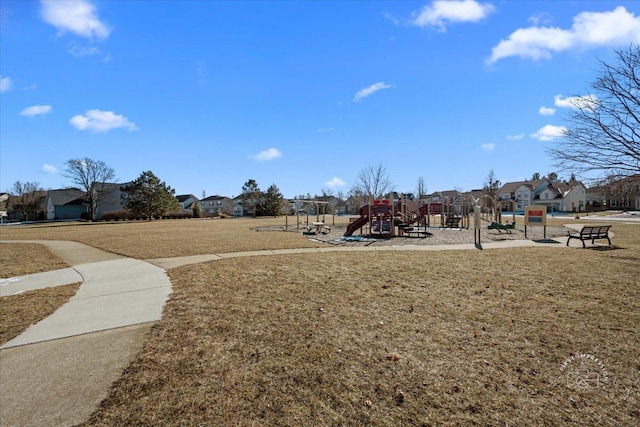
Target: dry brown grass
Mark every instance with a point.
(387, 338)
(167, 238)
(18, 312)
(19, 259)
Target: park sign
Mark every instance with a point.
(535, 215)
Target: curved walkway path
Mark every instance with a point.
(60, 369)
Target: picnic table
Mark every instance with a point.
(321, 227)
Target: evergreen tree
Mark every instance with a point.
(273, 200)
(148, 197)
(251, 196)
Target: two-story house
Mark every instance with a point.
(563, 197)
(623, 192)
(517, 195)
(216, 205)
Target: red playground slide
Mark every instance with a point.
(360, 222)
(379, 210)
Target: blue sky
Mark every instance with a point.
(208, 94)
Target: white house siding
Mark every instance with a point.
(547, 197)
(574, 200)
(523, 195)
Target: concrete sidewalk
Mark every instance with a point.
(60, 369)
(169, 263)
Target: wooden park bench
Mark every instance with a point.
(589, 232)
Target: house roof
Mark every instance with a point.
(216, 197)
(66, 196)
(511, 187)
(184, 197)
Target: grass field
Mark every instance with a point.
(378, 338)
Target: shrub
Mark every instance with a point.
(197, 213)
(115, 215)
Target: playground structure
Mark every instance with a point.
(320, 209)
(386, 218)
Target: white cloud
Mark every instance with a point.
(101, 121)
(80, 51)
(36, 110)
(49, 169)
(5, 84)
(515, 137)
(268, 154)
(587, 101)
(540, 18)
(335, 182)
(441, 13)
(363, 93)
(488, 147)
(547, 111)
(589, 30)
(549, 133)
(76, 16)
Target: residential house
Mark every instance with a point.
(66, 203)
(563, 197)
(186, 202)
(517, 195)
(238, 207)
(623, 193)
(4, 205)
(596, 198)
(111, 198)
(31, 207)
(71, 203)
(448, 198)
(354, 203)
(557, 196)
(216, 205)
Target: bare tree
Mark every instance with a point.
(491, 185)
(27, 197)
(604, 128)
(326, 192)
(91, 176)
(421, 189)
(373, 181)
